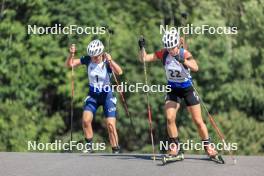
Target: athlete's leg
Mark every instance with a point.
(87, 124)
(110, 114)
(90, 107)
(112, 132)
(88, 130)
(171, 109)
(194, 108)
(195, 111)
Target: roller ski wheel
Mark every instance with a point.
(218, 159)
(172, 158)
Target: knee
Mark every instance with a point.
(170, 119)
(87, 122)
(200, 124)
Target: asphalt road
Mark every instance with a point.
(74, 164)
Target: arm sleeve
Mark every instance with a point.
(159, 54)
(85, 60)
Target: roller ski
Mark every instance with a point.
(212, 153)
(172, 158)
(218, 159)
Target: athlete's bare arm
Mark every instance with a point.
(147, 57)
(191, 63)
(72, 61)
(114, 66)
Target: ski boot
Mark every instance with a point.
(175, 152)
(116, 150)
(88, 146)
(211, 152)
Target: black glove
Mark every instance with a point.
(141, 42)
(184, 15)
(179, 59)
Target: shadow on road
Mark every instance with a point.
(143, 157)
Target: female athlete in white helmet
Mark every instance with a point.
(99, 68)
(178, 63)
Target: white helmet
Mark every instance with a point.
(95, 48)
(171, 39)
